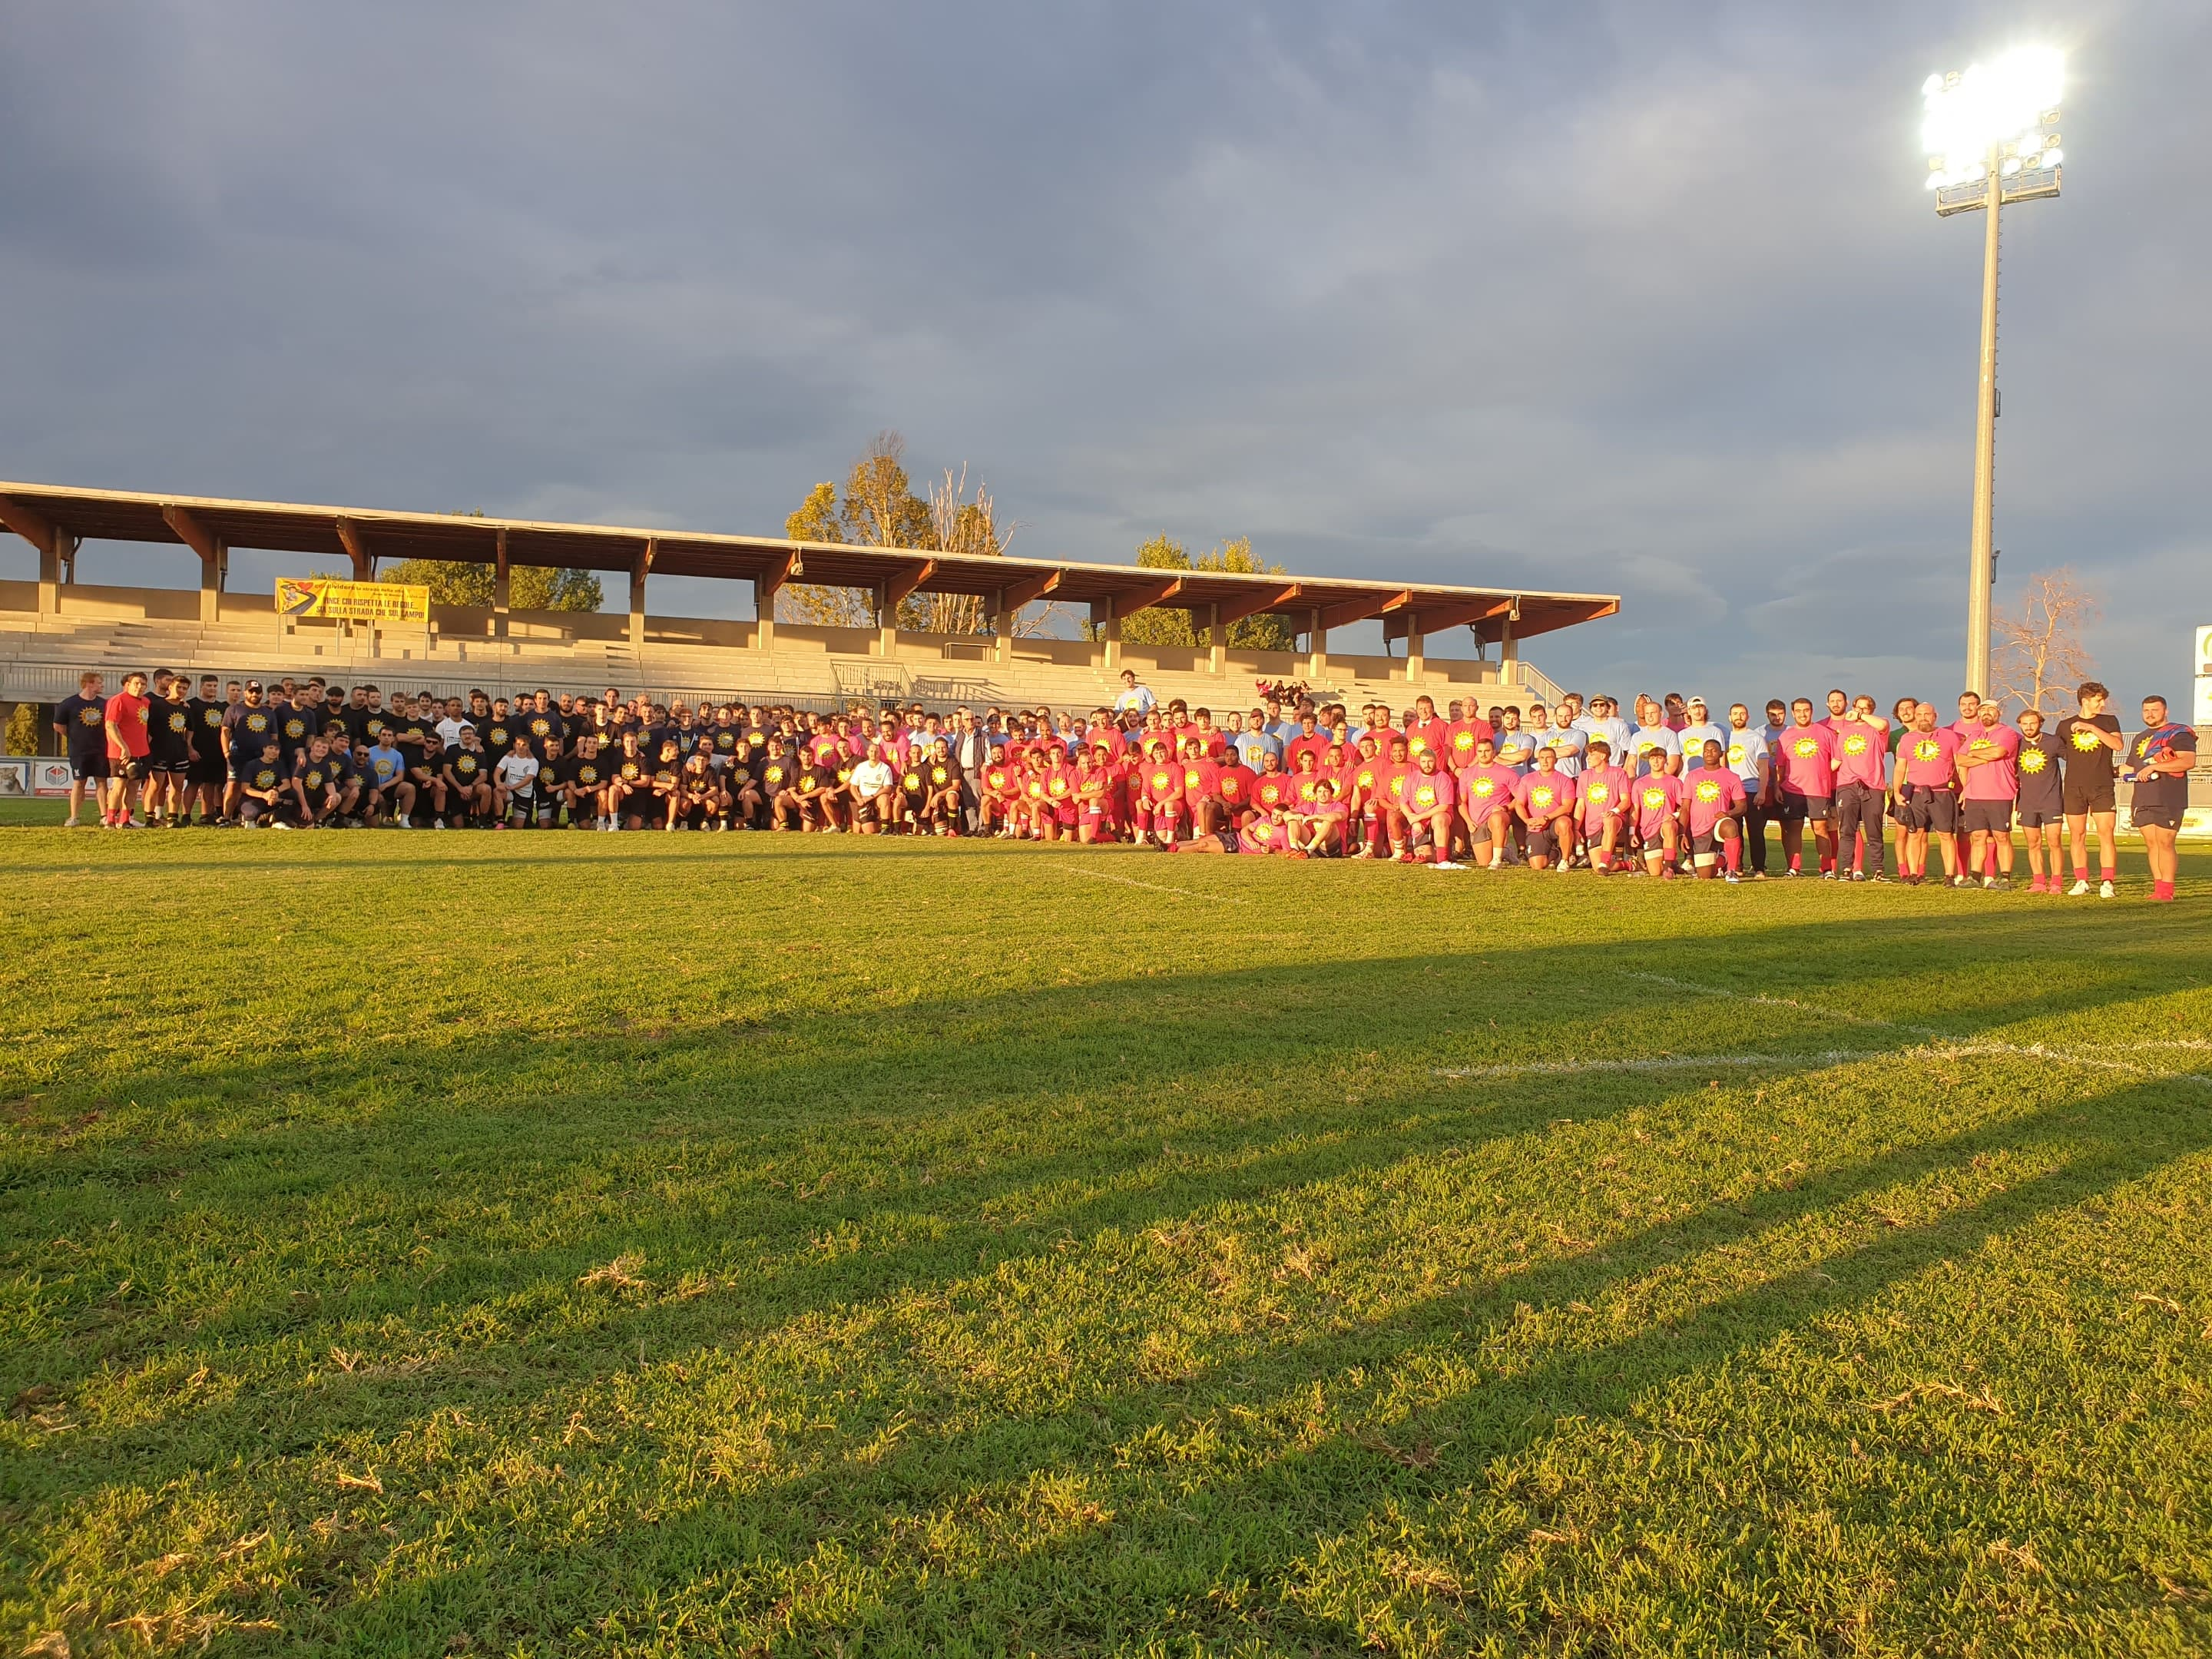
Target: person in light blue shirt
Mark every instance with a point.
(1604, 722)
(1135, 697)
(386, 765)
(1699, 731)
(1517, 747)
(1255, 746)
(1566, 744)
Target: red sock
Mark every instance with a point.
(2161, 890)
(1732, 854)
(2111, 872)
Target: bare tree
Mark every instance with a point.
(2038, 656)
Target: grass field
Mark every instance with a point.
(682, 1244)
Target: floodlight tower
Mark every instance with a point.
(1987, 149)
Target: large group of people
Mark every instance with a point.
(1577, 787)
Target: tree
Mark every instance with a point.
(530, 587)
(1167, 626)
(2038, 656)
(880, 508)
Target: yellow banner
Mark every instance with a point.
(334, 600)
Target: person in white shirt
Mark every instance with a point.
(1699, 731)
(1752, 763)
(871, 787)
(1135, 698)
(1604, 722)
(515, 780)
(1652, 737)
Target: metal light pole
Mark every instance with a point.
(1986, 150)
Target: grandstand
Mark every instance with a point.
(53, 627)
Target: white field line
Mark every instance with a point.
(1834, 1057)
(1840, 1014)
(1158, 887)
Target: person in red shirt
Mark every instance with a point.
(1234, 786)
(129, 745)
(1311, 740)
(1201, 787)
(1431, 801)
(1425, 733)
(1272, 790)
(1544, 800)
(1463, 734)
(1364, 774)
(1160, 781)
(1658, 805)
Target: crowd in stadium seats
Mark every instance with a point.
(1578, 787)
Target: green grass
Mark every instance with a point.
(771, 1244)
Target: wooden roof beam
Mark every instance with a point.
(1436, 618)
(356, 548)
(194, 534)
(780, 571)
(33, 526)
(1353, 610)
(900, 586)
(1014, 595)
(1134, 599)
(1252, 603)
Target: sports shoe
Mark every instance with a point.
(437, 823)
(1448, 864)
(135, 822)
(1827, 875)
(1732, 878)
(2106, 890)
(2035, 886)
(403, 823)
(69, 823)
(2080, 888)
(1858, 875)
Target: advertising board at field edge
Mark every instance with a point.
(2202, 715)
(50, 777)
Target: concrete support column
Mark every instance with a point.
(50, 577)
(1414, 669)
(1002, 629)
(1509, 649)
(1316, 650)
(500, 588)
(637, 607)
(1113, 645)
(886, 624)
(1217, 640)
(212, 572)
(1108, 657)
(764, 616)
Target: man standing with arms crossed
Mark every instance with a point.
(2092, 742)
(1749, 759)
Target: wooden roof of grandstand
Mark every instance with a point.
(363, 536)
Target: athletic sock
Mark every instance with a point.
(2161, 890)
(1731, 853)
(2111, 872)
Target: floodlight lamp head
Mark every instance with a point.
(1992, 110)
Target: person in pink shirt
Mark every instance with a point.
(1806, 765)
(1431, 808)
(1926, 780)
(1486, 805)
(1604, 790)
(1712, 797)
(1658, 805)
(1862, 758)
(1544, 802)
(1989, 783)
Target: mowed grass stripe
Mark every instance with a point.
(934, 1250)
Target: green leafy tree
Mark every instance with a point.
(530, 587)
(1167, 626)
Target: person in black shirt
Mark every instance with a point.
(314, 784)
(206, 771)
(294, 724)
(2041, 806)
(585, 789)
(541, 724)
(81, 722)
(499, 734)
(467, 775)
(743, 789)
(627, 790)
(555, 771)
(263, 788)
(941, 808)
(246, 726)
(2091, 741)
(169, 750)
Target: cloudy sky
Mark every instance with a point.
(1641, 298)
